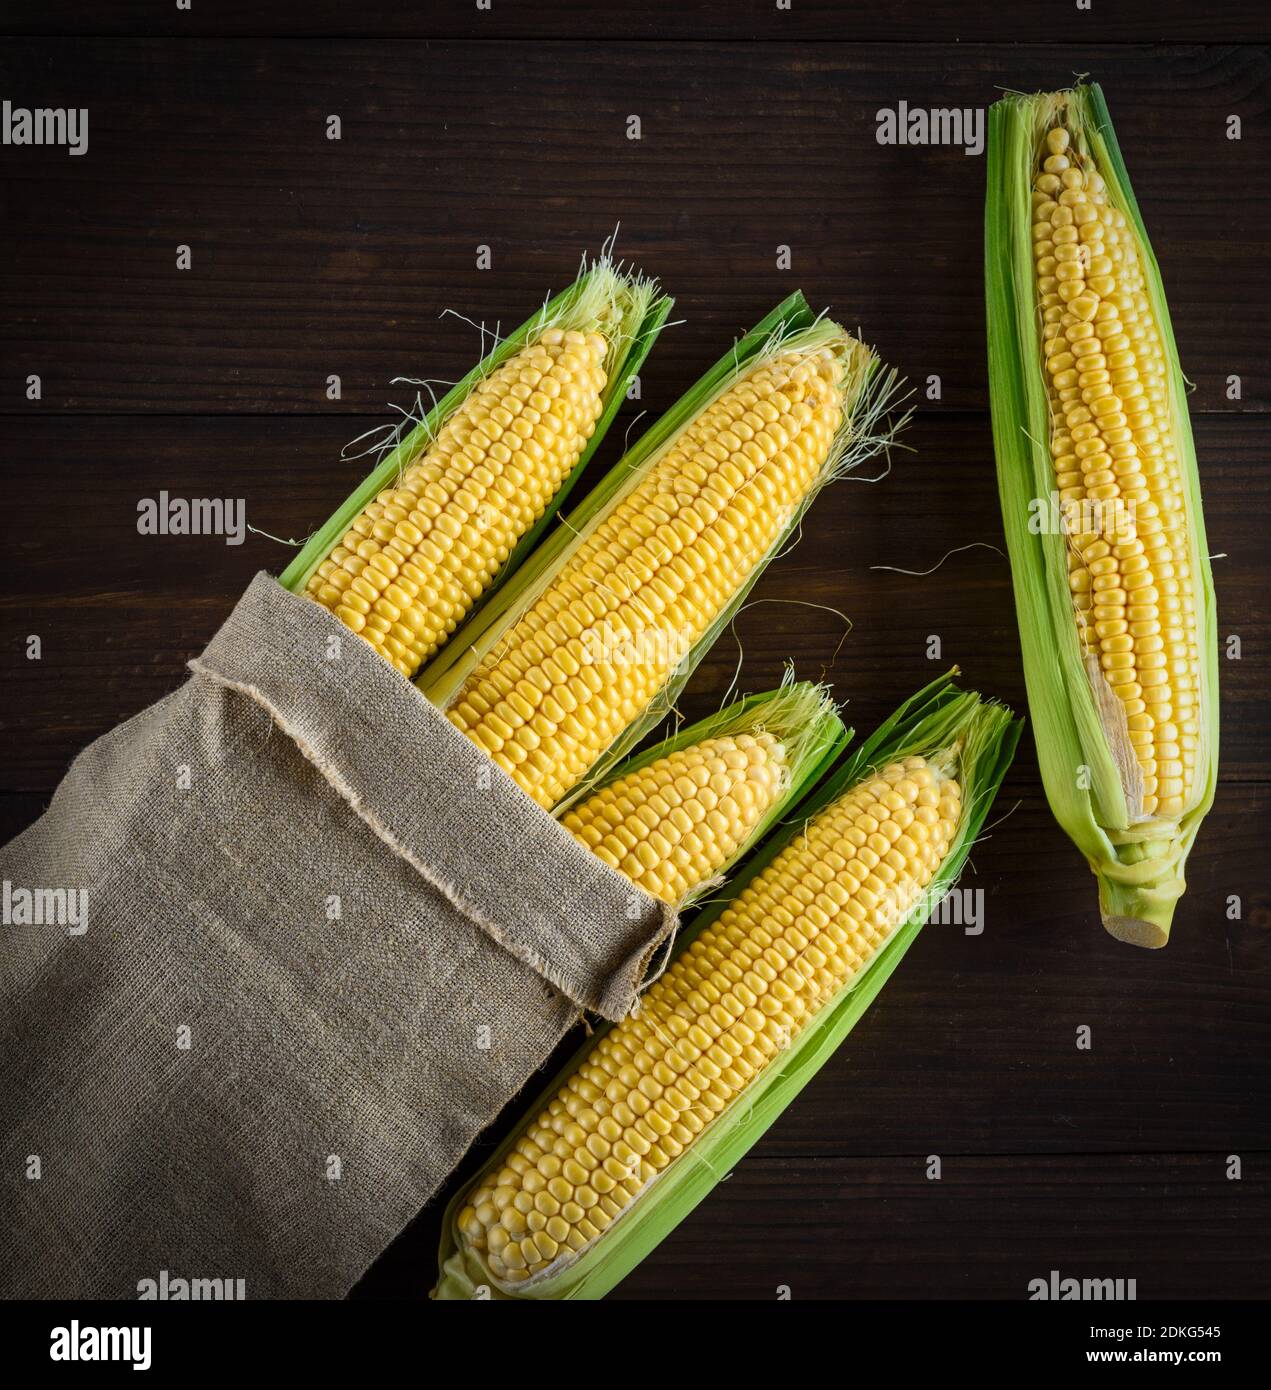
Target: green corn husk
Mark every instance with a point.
(799, 713)
(870, 392)
(1137, 861)
(628, 308)
(938, 719)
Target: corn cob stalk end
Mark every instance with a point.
(1140, 887)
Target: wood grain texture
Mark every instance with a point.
(119, 613)
(870, 1228)
(1110, 1162)
(312, 257)
(1034, 21)
(838, 1227)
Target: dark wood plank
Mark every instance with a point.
(973, 1044)
(1111, 1159)
(971, 1049)
(119, 613)
(1034, 21)
(970, 1053)
(313, 257)
(874, 1228)
(869, 1228)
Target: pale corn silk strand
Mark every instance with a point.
(656, 569)
(724, 1010)
(1112, 444)
(948, 554)
(383, 438)
(794, 603)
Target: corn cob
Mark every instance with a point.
(675, 820)
(651, 576)
(632, 1134)
(739, 995)
(410, 567)
(1091, 339)
(409, 563)
(1111, 443)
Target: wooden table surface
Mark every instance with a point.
(508, 129)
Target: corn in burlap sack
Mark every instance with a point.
(323, 942)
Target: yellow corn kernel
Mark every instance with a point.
(710, 795)
(1141, 633)
(754, 978)
(596, 647)
(426, 549)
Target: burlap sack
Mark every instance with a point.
(326, 942)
